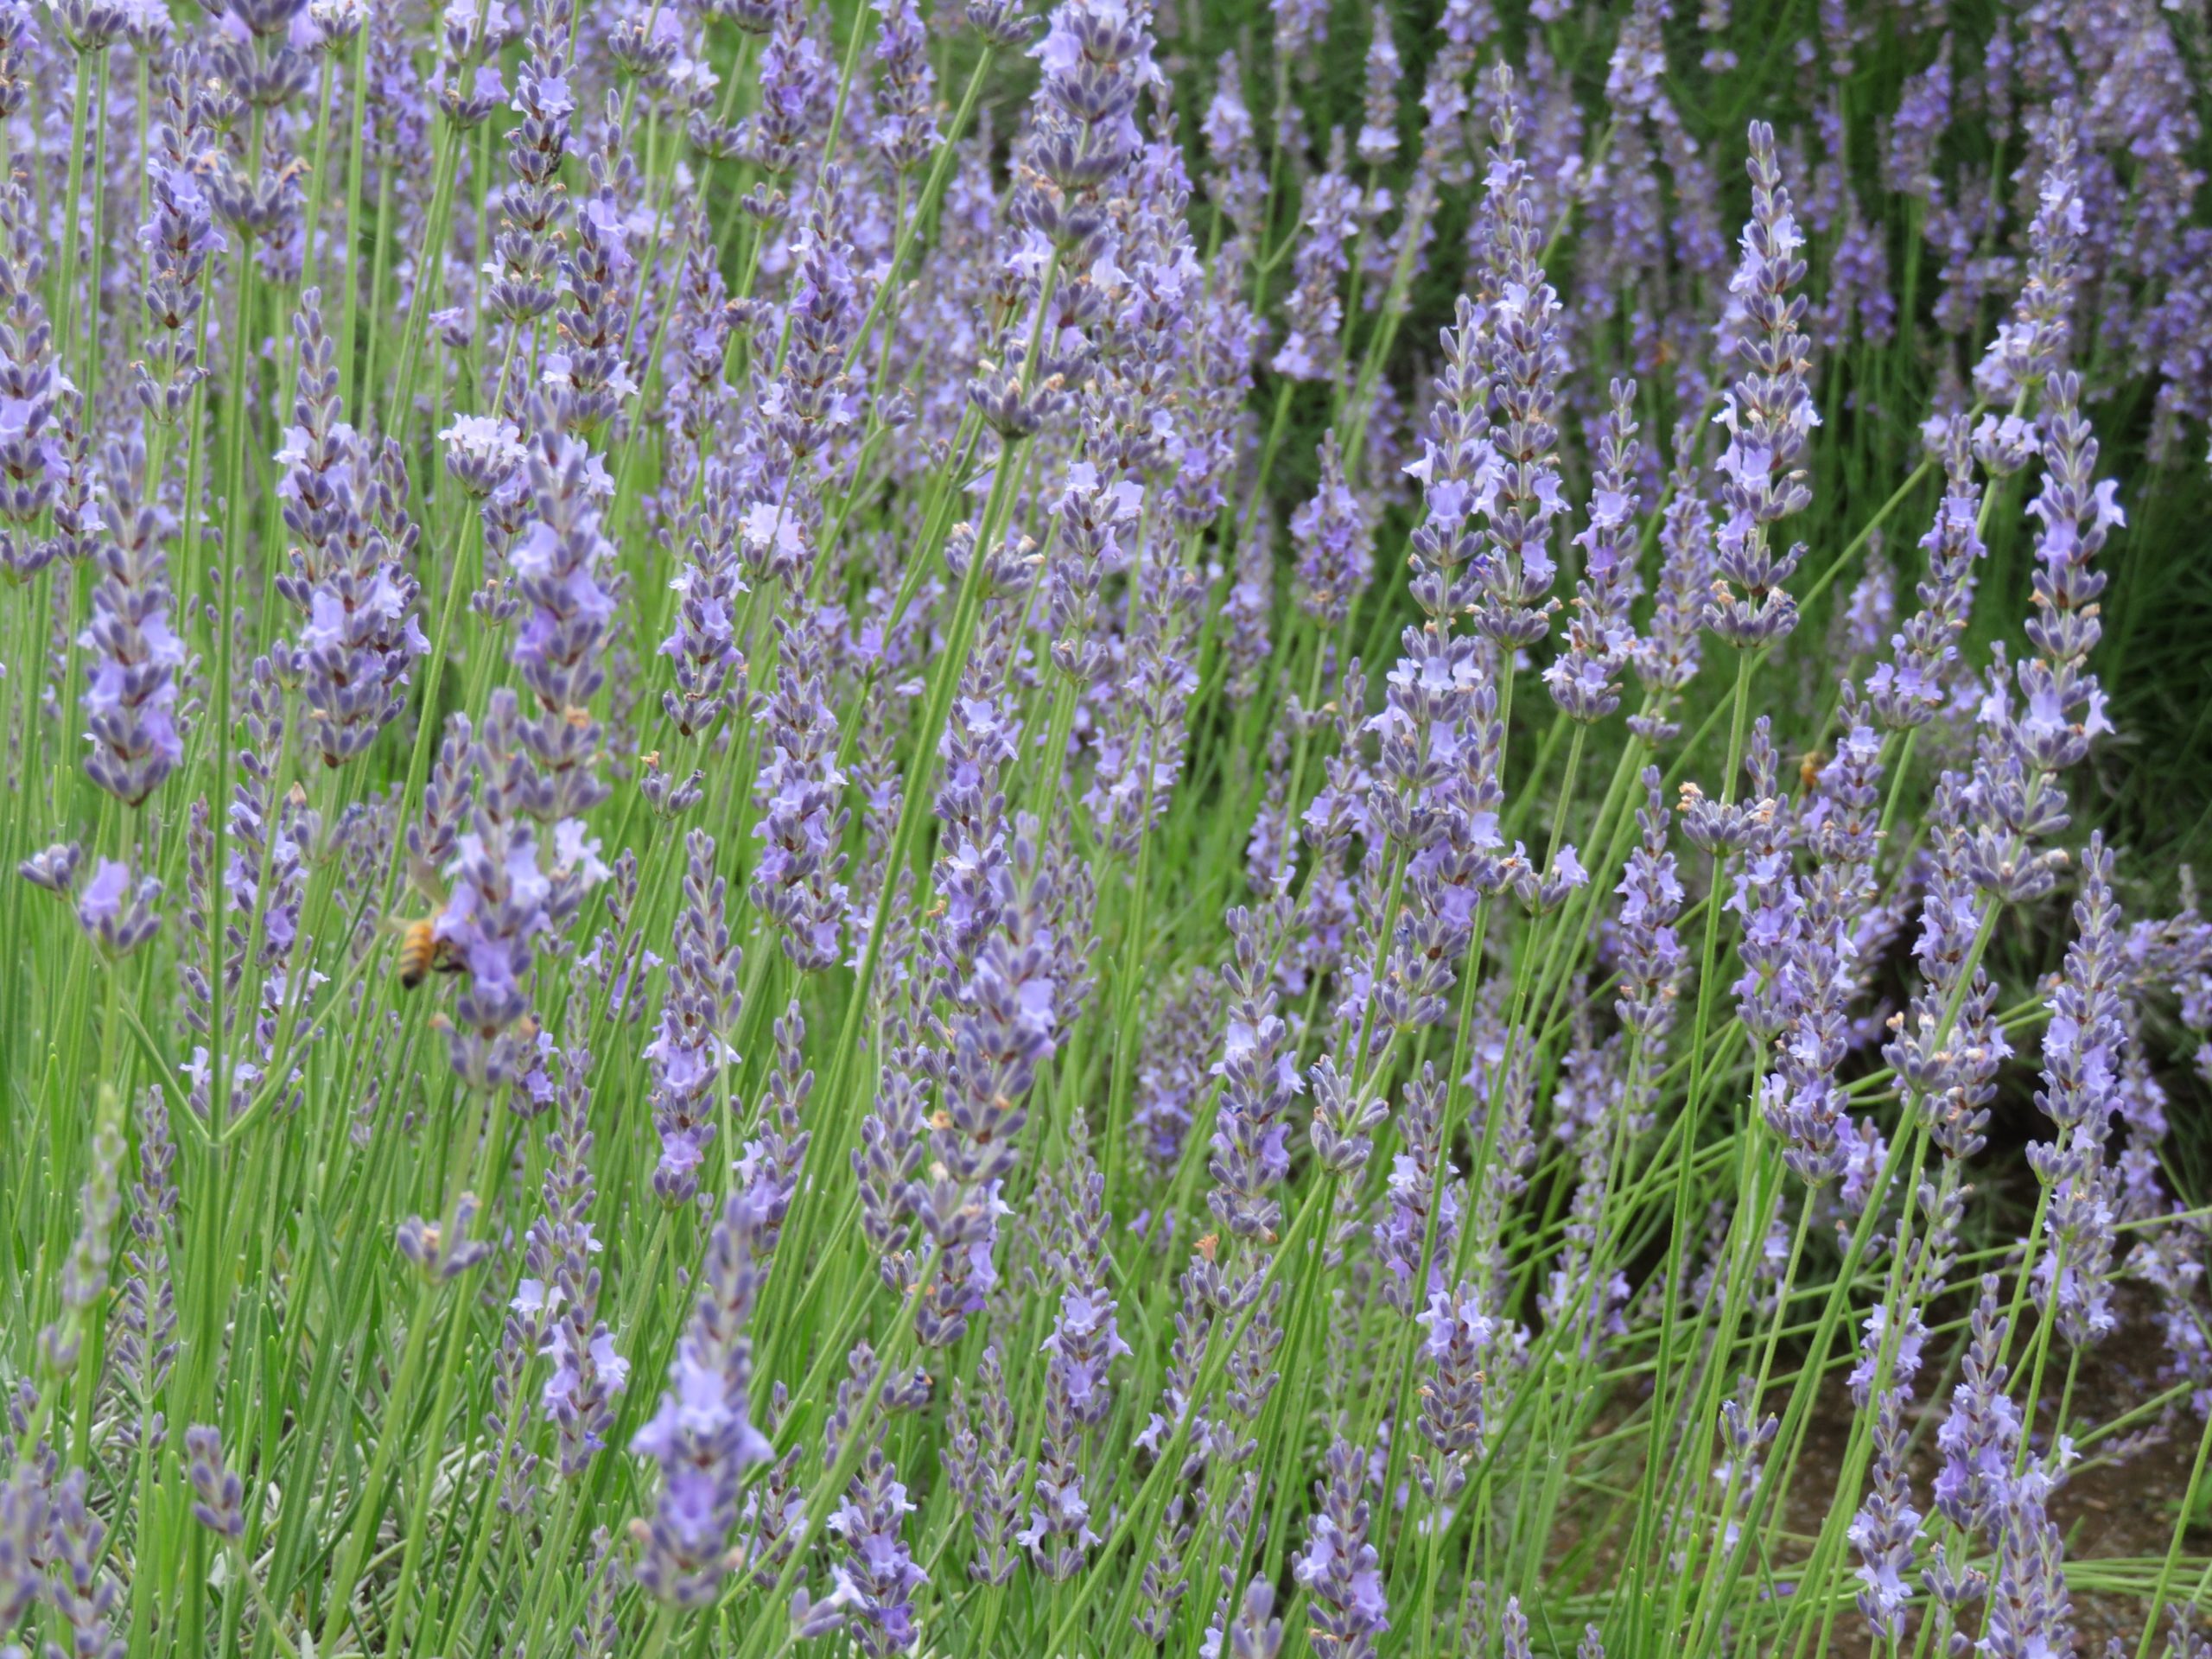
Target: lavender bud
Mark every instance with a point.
(54, 870)
(217, 1492)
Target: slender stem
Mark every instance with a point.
(2182, 1519)
(349, 314)
(1692, 1110)
(399, 1403)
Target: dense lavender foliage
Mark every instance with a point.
(1130, 828)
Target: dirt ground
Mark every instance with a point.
(2108, 1508)
(2111, 1508)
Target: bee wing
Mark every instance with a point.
(422, 876)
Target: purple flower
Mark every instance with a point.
(802, 820)
(690, 1048)
(1236, 181)
(798, 86)
(1653, 959)
(2029, 1609)
(1767, 413)
(1341, 1119)
(1423, 1179)
(1526, 360)
(1335, 544)
(1254, 1634)
(1378, 137)
(2032, 343)
(559, 564)
(1259, 1080)
(588, 1372)
(1639, 61)
(701, 643)
(130, 694)
(1668, 655)
(482, 452)
(1459, 1334)
(905, 131)
(1513, 1630)
(984, 1473)
(118, 913)
(1313, 315)
(1599, 639)
(1979, 1434)
(535, 206)
(1339, 1567)
(352, 542)
(1886, 1524)
(1922, 114)
(54, 869)
(2065, 706)
(36, 399)
(1083, 1343)
(876, 1582)
(83, 1593)
(509, 886)
(1907, 690)
(440, 1253)
(703, 1434)
(217, 1494)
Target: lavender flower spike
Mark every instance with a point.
(1768, 414)
(131, 692)
(1340, 1567)
(703, 1435)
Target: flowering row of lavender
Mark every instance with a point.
(1114, 830)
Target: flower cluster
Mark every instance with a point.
(1242, 858)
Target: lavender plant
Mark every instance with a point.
(1104, 828)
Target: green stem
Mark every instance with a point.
(349, 314)
(398, 1406)
(2181, 1519)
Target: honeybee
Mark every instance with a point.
(422, 953)
(1808, 769)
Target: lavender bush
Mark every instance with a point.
(1145, 829)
